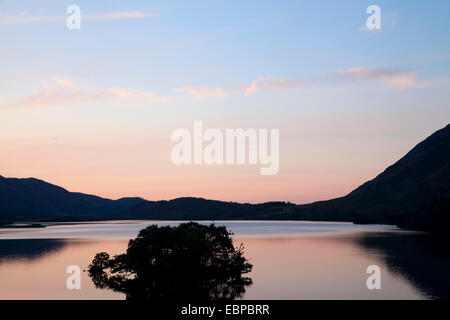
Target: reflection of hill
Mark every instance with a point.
(422, 258)
(28, 249)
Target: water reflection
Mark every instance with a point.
(28, 249)
(292, 266)
(422, 258)
(42, 274)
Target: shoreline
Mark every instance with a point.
(14, 225)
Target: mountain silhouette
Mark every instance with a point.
(414, 192)
(34, 199)
(188, 208)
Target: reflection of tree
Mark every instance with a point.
(28, 249)
(189, 261)
(420, 257)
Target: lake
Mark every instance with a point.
(291, 259)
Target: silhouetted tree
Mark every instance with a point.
(190, 261)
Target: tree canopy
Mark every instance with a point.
(189, 261)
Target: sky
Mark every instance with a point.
(93, 109)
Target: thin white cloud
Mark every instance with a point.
(390, 19)
(24, 18)
(202, 92)
(268, 83)
(63, 91)
(121, 15)
(396, 79)
(364, 28)
(392, 78)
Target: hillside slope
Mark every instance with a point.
(33, 199)
(415, 191)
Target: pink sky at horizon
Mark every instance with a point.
(321, 166)
(114, 151)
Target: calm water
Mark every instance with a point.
(291, 260)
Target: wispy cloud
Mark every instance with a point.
(364, 28)
(391, 78)
(121, 15)
(390, 19)
(24, 18)
(268, 83)
(396, 79)
(63, 91)
(202, 92)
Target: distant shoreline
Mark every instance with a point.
(45, 223)
(21, 225)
